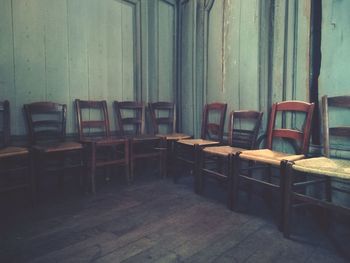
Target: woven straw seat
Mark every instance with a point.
(222, 150)
(200, 142)
(12, 151)
(58, 147)
(268, 156)
(174, 136)
(325, 166)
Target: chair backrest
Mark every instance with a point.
(243, 128)
(163, 114)
(130, 117)
(213, 121)
(298, 136)
(46, 121)
(342, 131)
(5, 123)
(92, 118)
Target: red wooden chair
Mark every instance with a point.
(131, 123)
(333, 173)
(163, 115)
(101, 149)
(215, 161)
(46, 123)
(213, 121)
(294, 112)
(15, 168)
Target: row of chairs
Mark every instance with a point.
(51, 151)
(240, 162)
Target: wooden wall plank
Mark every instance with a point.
(128, 55)
(113, 55)
(77, 57)
(56, 56)
(186, 75)
(7, 77)
(29, 49)
(215, 53)
(166, 16)
(249, 56)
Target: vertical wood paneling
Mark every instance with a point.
(249, 55)
(63, 50)
(7, 78)
(278, 51)
(29, 47)
(186, 75)
(334, 76)
(113, 56)
(128, 72)
(166, 48)
(78, 56)
(215, 53)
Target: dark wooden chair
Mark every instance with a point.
(321, 171)
(15, 164)
(46, 123)
(163, 115)
(101, 149)
(131, 123)
(212, 131)
(299, 115)
(215, 161)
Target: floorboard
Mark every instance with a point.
(155, 220)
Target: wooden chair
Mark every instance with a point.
(212, 130)
(46, 123)
(323, 170)
(163, 115)
(243, 130)
(294, 112)
(15, 165)
(101, 149)
(131, 123)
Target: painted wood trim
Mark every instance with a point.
(173, 4)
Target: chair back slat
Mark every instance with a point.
(130, 113)
(244, 128)
(213, 130)
(5, 128)
(46, 121)
(299, 136)
(332, 107)
(163, 115)
(86, 124)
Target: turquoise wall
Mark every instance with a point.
(59, 50)
(247, 53)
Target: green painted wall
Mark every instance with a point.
(59, 50)
(247, 53)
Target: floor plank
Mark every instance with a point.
(155, 221)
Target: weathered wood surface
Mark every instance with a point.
(154, 221)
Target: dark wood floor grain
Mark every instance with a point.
(156, 221)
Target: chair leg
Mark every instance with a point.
(287, 200)
(326, 217)
(32, 179)
(127, 161)
(230, 165)
(235, 181)
(283, 167)
(163, 161)
(92, 169)
(197, 158)
(250, 186)
(200, 175)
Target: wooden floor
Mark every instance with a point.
(156, 221)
